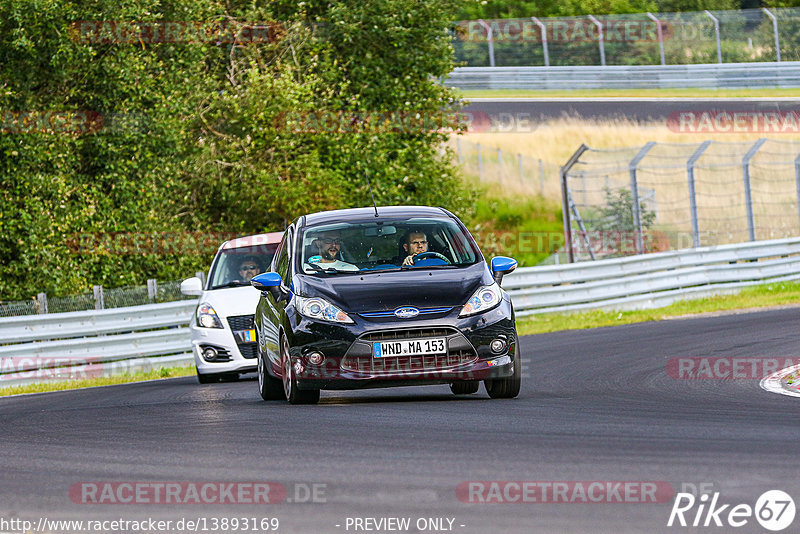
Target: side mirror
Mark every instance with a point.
(192, 286)
(270, 282)
(501, 266)
(265, 281)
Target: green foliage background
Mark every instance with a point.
(192, 139)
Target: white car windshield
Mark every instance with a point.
(236, 266)
(384, 245)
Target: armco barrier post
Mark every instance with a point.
(521, 174)
(152, 289)
(660, 34)
(600, 40)
(99, 304)
(489, 39)
(41, 303)
(637, 211)
(458, 150)
(202, 276)
(500, 166)
(748, 195)
(565, 204)
(541, 176)
(543, 29)
(692, 193)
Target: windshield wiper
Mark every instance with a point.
(328, 270)
(235, 283)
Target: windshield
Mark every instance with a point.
(236, 266)
(383, 245)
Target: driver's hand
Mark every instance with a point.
(408, 261)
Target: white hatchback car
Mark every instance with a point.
(223, 335)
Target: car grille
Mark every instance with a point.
(241, 322)
(395, 364)
(408, 333)
(238, 323)
(249, 350)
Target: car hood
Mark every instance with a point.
(232, 301)
(389, 290)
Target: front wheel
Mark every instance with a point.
(270, 388)
(507, 388)
(294, 395)
(465, 388)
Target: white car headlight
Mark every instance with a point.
(484, 299)
(321, 310)
(207, 317)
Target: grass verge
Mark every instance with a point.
(751, 298)
(59, 385)
(628, 93)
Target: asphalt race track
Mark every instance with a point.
(596, 405)
(631, 109)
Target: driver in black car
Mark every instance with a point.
(415, 243)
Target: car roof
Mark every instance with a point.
(384, 212)
(271, 238)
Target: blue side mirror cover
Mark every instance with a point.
(503, 265)
(264, 281)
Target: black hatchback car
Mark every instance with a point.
(387, 296)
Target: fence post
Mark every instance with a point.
(748, 196)
(692, 193)
(521, 174)
(543, 28)
(637, 213)
(797, 182)
(202, 276)
(775, 32)
(541, 175)
(41, 303)
(480, 164)
(565, 218)
(600, 39)
(716, 33)
(660, 33)
(489, 38)
(458, 150)
(500, 166)
(152, 289)
(99, 304)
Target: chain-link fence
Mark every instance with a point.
(99, 298)
(509, 172)
(689, 195)
(632, 39)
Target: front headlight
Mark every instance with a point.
(321, 310)
(484, 299)
(207, 317)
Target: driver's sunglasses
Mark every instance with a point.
(248, 268)
(329, 241)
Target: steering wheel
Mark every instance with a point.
(430, 255)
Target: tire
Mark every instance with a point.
(207, 378)
(506, 388)
(465, 388)
(268, 387)
(292, 394)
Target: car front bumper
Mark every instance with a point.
(349, 362)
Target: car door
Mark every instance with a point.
(272, 311)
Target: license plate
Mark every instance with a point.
(245, 336)
(410, 347)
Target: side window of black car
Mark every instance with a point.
(282, 265)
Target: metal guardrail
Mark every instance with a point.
(39, 347)
(713, 76)
(652, 280)
(95, 342)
